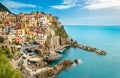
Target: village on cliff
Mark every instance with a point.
(33, 39)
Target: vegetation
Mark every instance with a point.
(6, 51)
(6, 69)
(1, 39)
(61, 32)
(3, 8)
(55, 25)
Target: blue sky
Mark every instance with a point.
(72, 12)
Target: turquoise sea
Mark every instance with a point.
(92, 65)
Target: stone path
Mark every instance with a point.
(61, 47)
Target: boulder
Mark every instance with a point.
(76, 61)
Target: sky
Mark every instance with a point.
(71, 12)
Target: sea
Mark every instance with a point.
(91, 64)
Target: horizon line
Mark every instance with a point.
(91, 25)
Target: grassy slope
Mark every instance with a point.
(6, 69)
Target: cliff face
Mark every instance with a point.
(58, 41)
(57, 36)
(54, 43)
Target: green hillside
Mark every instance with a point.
(3, 8)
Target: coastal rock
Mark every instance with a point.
(64, 41)
(39, 65)
(56, 70)
(76, 61)
(51, 56)
(43, 74)
(63, 65)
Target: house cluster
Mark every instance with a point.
(7, 22)
(35, 26)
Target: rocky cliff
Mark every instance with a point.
(59, 37)
(57, 41)
(55, 70)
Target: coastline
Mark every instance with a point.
(31, 73)
(41, 46)
(80, 46)
(47, 68)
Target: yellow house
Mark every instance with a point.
(2, 23)
(11, 38)
(50, 18)
(26, 27)
(14, 33)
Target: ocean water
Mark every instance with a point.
(92, 65)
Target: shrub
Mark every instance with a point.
(6, 69)
(61, 32)
(1, 39)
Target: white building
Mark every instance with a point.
(41, 38)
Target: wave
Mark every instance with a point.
(80, 61)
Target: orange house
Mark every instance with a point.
(19, 40)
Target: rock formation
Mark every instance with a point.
(76, 61)
(88, 48)
(56, 70)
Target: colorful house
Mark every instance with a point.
(41, 38)
(17, 36)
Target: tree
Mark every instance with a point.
(7, 52)
(61, 32)
(1, 39)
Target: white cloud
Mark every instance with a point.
(69, 1)
(14, 4)
(63, 6)
(66, 4)
(102, 4)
